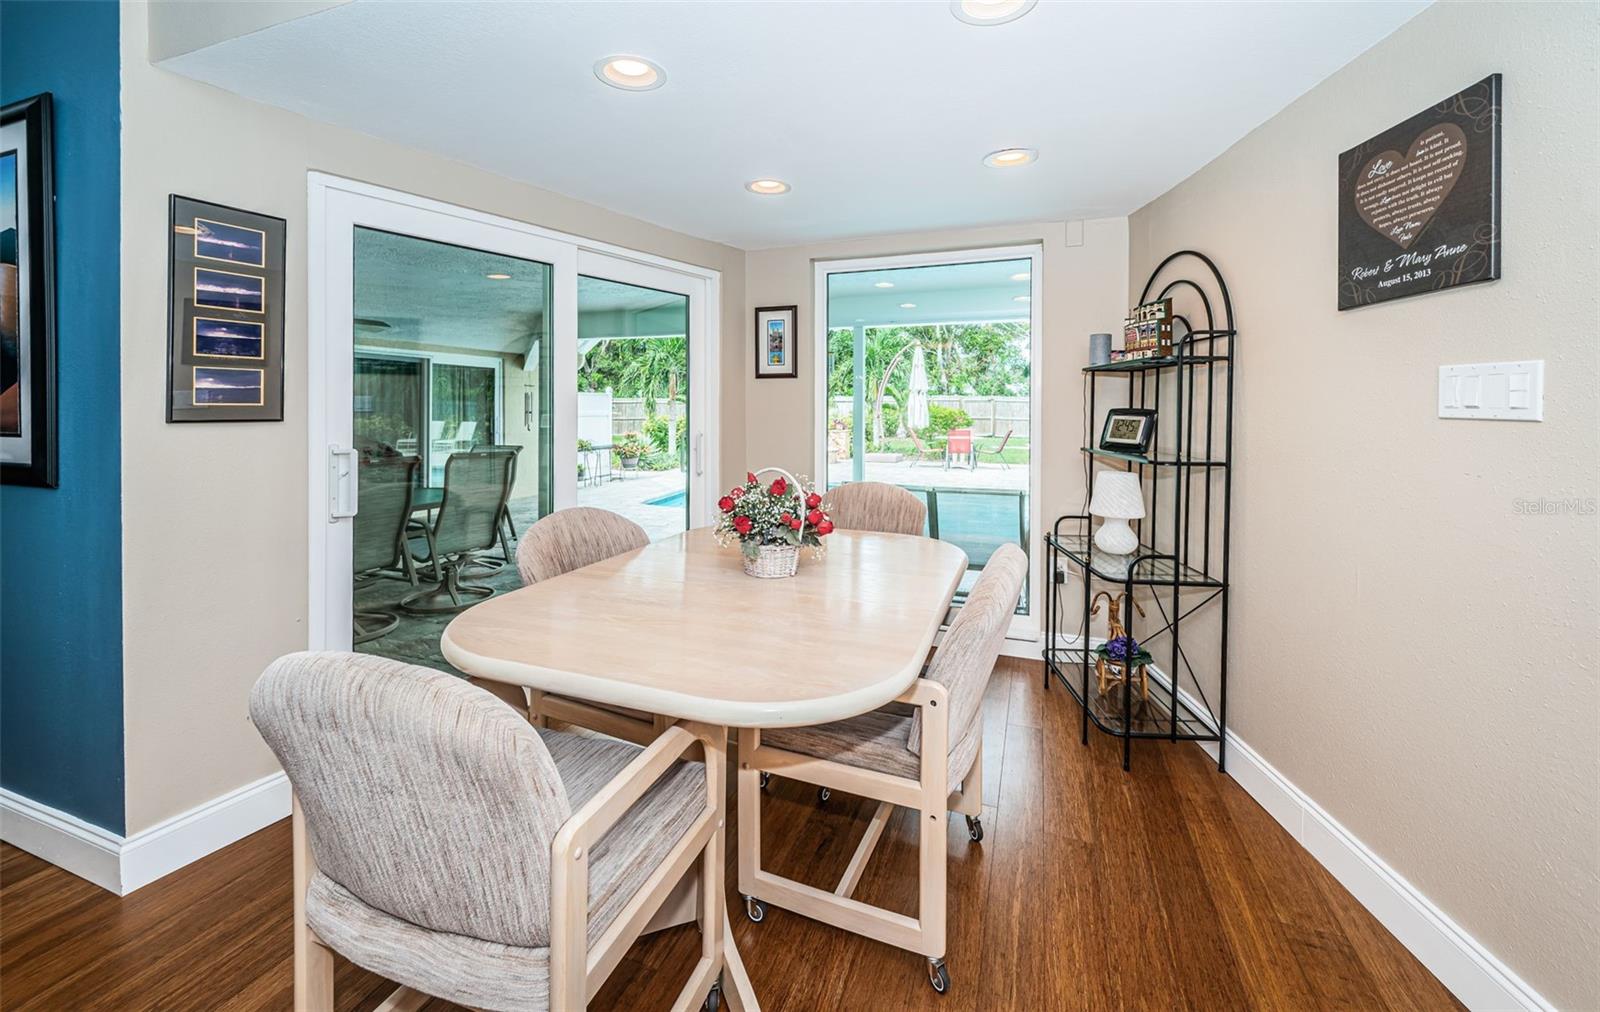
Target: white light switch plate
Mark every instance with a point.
(1508, 391)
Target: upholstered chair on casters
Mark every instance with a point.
(444, 843)
(566, 540)
(877, 506)
(909, 761)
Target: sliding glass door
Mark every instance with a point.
(929, 385)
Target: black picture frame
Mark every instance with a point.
(1139, 446)
(225, 304)
(789, 340)
(1419, 204)
(29, 444)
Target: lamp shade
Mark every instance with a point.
(1117, 495)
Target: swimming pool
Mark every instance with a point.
(677, 498)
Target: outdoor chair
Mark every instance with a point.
(898, 760)
(507, 530)
(443, 843)
(959, 442)
(476, 487)
(384, 501)
(877, 506)
(999, 452)
(923, 451)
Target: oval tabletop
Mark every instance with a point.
(677, 628)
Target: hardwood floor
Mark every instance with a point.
(1164, 888)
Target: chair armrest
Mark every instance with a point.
(933, 699)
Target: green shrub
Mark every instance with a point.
(630, 445)
(655, 430)
(941, 420)
(658, 461)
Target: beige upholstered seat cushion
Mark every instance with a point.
(876, 741)
(641, 839)
(877, 506)
(457, 968)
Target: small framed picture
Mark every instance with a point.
(225, 313)
(776, 343)
(1128, 430)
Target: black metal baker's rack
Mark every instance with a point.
(1181, 564)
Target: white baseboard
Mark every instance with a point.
(122, 864)
(1460, 962)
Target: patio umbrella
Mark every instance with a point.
(917, 410)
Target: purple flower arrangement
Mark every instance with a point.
(1122, 648)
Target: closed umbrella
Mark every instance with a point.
(917, 410)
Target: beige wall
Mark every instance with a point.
(214, 516)
(1082, 290)
(1409, 649)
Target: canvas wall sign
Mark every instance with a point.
(1419, 204)
(225, 322)
(28, 454)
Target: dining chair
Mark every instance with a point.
(998, 453)
(922, 450)
(379, 548)
(898, 760)
(559, 543)
(442, 842)
(476, 486)
(877, 506)
(959, 442)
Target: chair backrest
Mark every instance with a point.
(383, 507)
(477, 484)
(428, 798)
(1004, 442)
(465, 430)
(573, 538)
(958, 441)
(435, 430)
(971, 645)
(877, 506)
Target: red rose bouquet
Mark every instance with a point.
(773, 519)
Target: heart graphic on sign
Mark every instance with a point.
(1399, 194)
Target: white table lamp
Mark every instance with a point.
(1117, 499)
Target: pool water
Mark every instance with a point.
(677, 498)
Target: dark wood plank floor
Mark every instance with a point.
(1164, 888)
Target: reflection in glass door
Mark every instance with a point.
(633, 403)
(451, 432)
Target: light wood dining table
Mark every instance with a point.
(676, 628)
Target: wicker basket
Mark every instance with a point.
(773, 562)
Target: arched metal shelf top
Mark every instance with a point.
(1205, 300)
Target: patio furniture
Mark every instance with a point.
(959, 442)
(476, 487)
(898, 759)
(384, 489)
(443, 843)
(999, 452)
(877, 506)
(559, 543)
(923, 451)
(507, 529)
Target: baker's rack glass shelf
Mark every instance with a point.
(1180, 568)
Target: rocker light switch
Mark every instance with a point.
(1511, 391)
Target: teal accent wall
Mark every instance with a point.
(61, 731)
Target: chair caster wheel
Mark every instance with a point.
(766, 778)
(755, 909)
(714, 999)
(823, 794)
(938, 976)
(975, 828)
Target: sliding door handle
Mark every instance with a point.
(700, 453)
(342, 483)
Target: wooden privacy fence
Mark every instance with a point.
(628, 414)
(991, 416)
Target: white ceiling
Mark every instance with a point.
(878, 114)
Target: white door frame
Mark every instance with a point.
(334, 207)
(1023, 627)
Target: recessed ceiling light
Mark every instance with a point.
(630, 73)
(1022, 298)
(883, 284)
(908, 305)
(498, 277)
(1021, 277)
(767, 187)
(990, 12)
(1007, 158)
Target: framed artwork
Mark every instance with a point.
(28, 454)
(225, 314)
(776, 346)
(1419, 204)
(1128, 430)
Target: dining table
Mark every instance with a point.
(677, 629)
